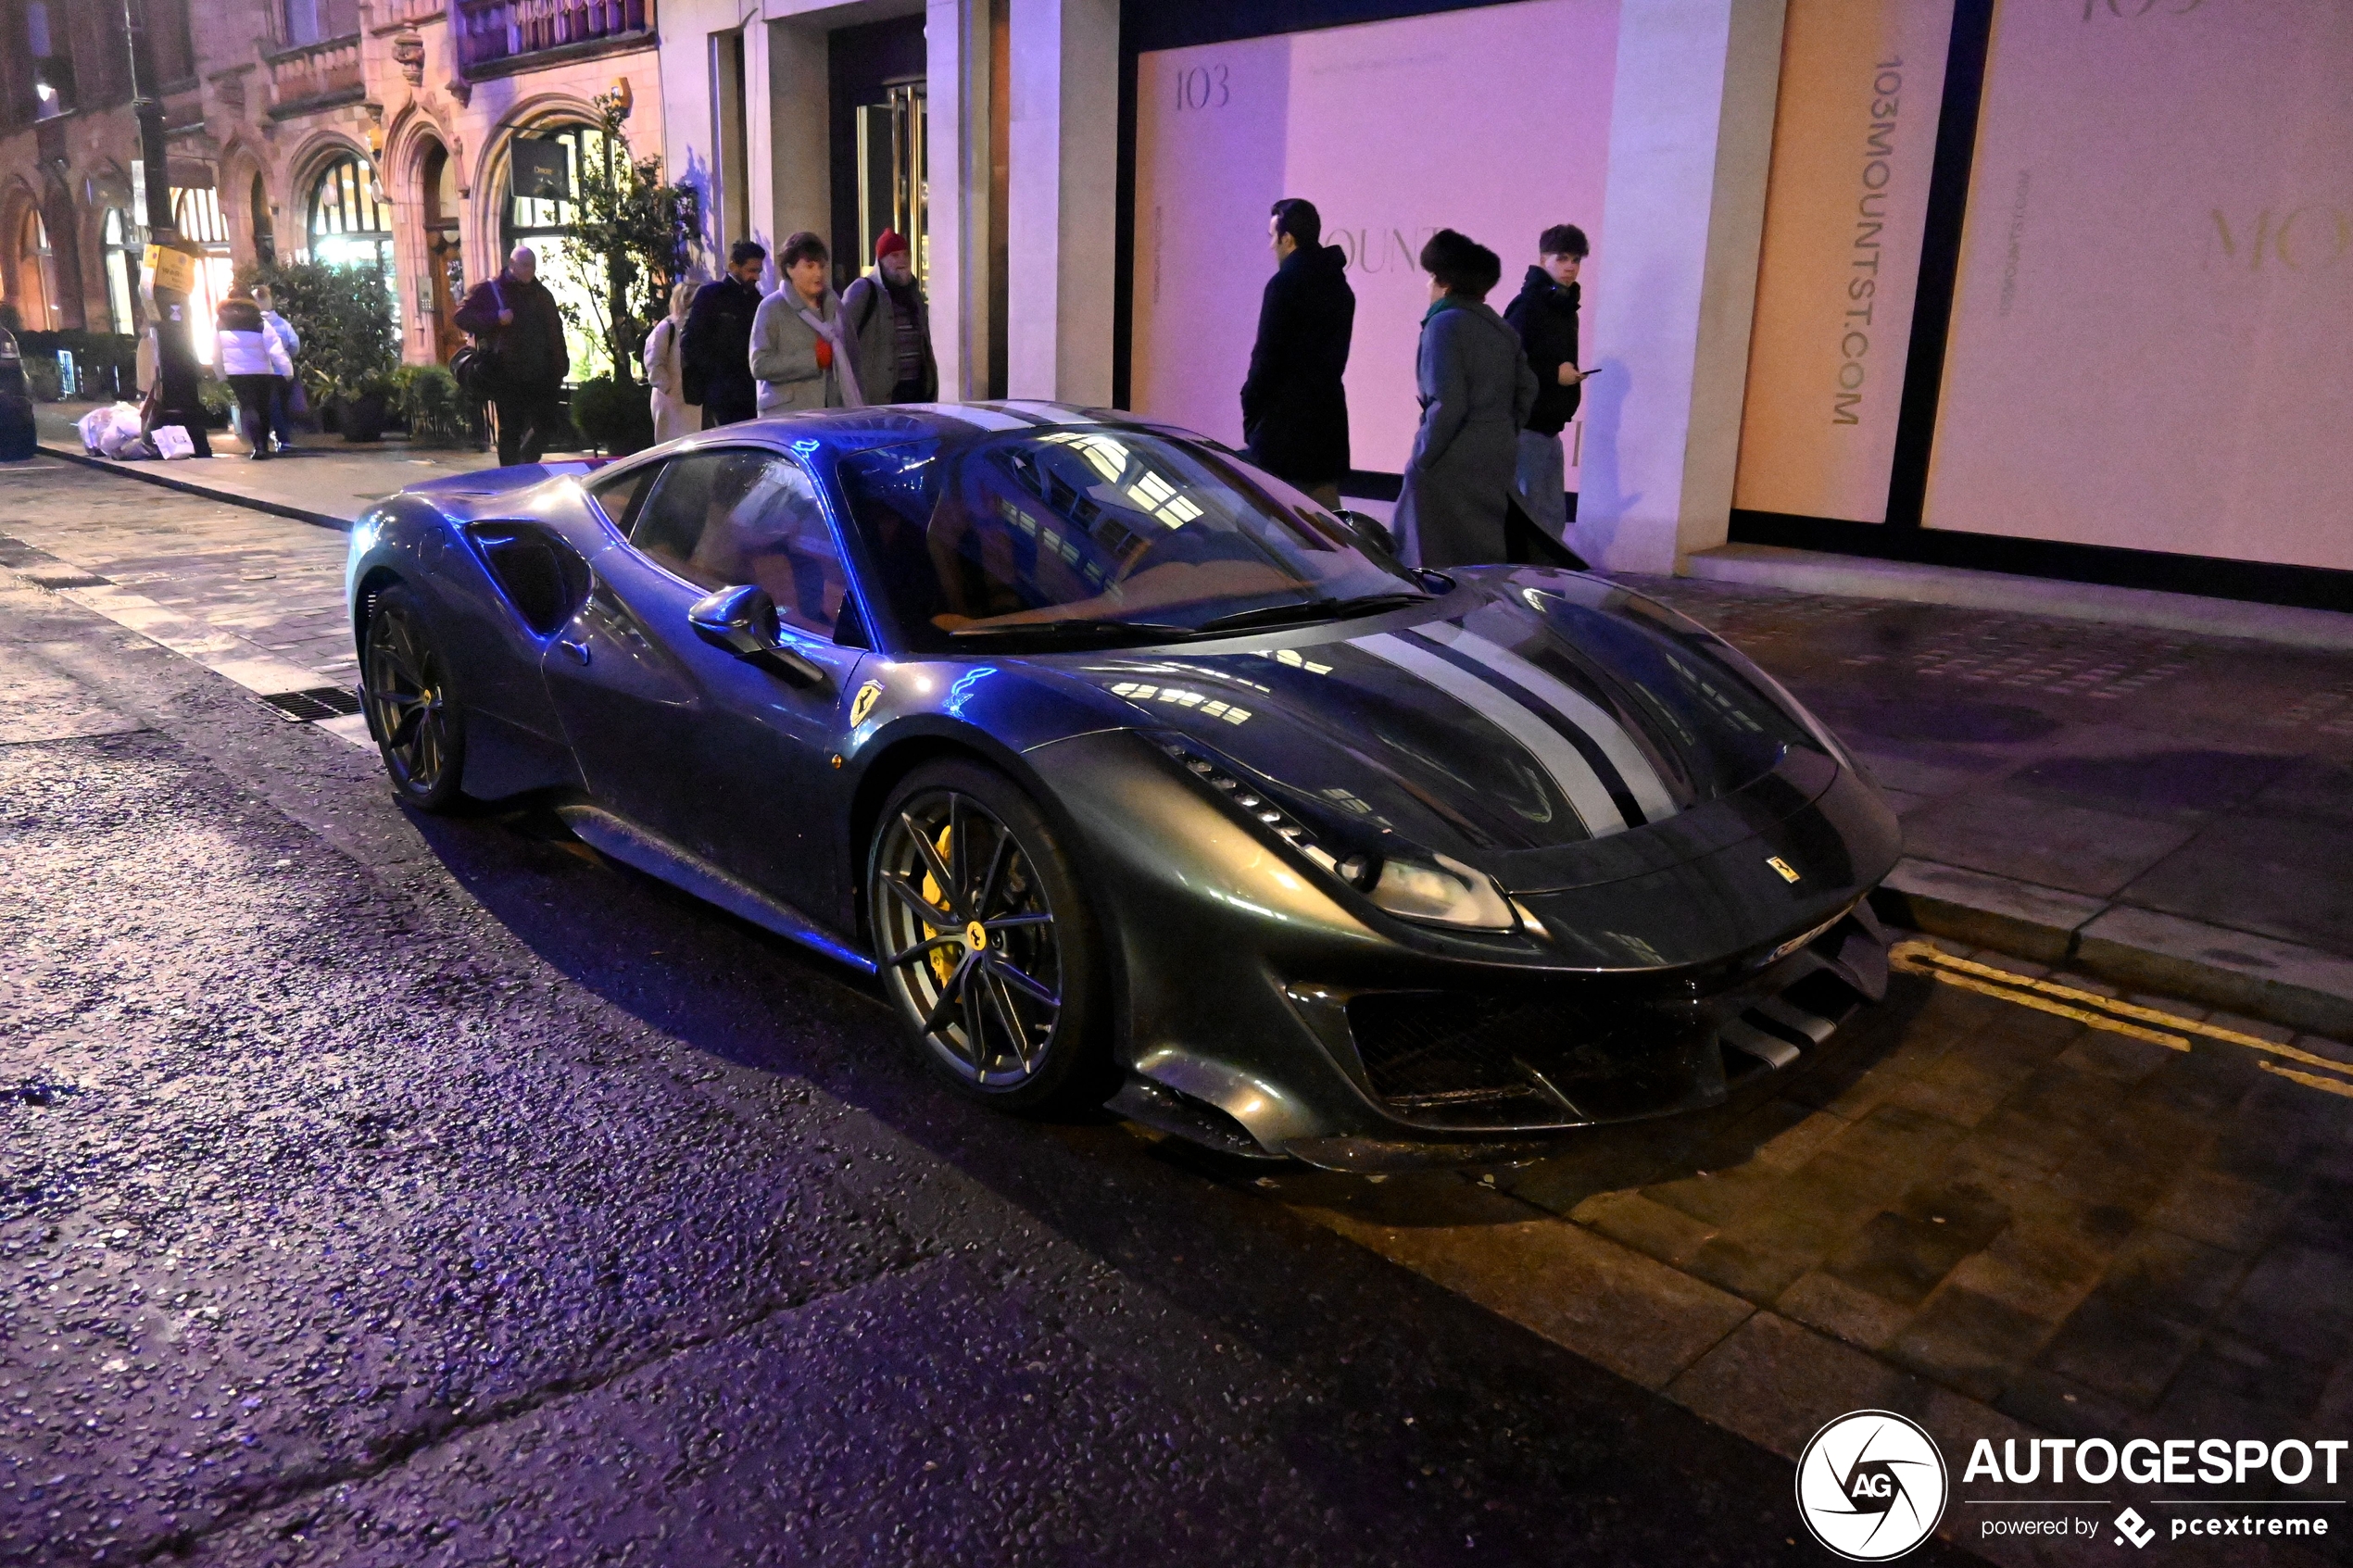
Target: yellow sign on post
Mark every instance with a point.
(173, 269)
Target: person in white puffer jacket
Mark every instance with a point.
(253, 361)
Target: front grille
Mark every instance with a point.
(1431, 1049)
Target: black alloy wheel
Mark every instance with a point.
(984, 941)
(419, 727)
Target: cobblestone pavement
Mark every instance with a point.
(533, 1204)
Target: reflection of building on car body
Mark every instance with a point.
(1028, 708)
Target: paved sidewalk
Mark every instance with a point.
(328, 481)
(2168, 811)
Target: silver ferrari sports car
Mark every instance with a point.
(1135, 776)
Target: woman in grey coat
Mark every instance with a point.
(803, 354)
(1476, 391)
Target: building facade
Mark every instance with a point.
(382, 133)
(2058, 286)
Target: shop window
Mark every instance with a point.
(543, 176)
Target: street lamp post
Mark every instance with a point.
(177, 371)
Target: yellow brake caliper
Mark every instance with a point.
(942, 960)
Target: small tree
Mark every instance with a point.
(639, 229)
(344, 317)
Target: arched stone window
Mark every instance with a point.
(35, 278)
(121, 267)
(350, 224)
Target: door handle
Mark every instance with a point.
(578, 650)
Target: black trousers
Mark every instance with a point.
(729, 406)
(527, 417)
(1526, 545)
(256, 404)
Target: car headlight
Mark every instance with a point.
(1448, 893)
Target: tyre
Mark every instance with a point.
(420, 728)
(985, 942)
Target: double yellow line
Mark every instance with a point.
(2115, 1016)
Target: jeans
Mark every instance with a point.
(527, 416)
(1542, 481)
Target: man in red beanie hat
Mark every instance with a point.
(892, 327)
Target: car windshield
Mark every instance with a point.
(1057, 535)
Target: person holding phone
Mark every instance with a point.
(1544, 314)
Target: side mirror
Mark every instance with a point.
(743, 621)
(1369, 529)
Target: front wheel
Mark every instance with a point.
(984, 941)
(419, 727)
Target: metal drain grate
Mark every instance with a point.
(317, 702)
(65, 579)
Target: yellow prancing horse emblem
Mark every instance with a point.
(864, 703)
(1782, 866)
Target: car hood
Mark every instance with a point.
(1554, 729)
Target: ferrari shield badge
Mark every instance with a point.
(1789, 872)
(864, 703)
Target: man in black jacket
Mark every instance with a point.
(714, 357)
(1295, 410)
(1545, 317)
(515, 316)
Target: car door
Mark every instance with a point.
(729, 758)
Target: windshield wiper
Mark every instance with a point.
(1072, 630)
(1310, 609)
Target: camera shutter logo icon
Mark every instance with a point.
(1871, 1485)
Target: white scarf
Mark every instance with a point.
(831, 330)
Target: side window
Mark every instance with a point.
(720, 519)
(621, 497)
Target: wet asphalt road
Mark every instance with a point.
(375, 1189)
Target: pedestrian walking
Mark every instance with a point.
(714, 349)
(1544, 314)
(892, 323)
(674, 415)
(285, 399)
(1460, 493)
(254, 362)
(803, 352)
(515, 319)
(1294, 409)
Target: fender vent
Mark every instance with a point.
(543, 577)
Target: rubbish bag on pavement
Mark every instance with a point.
(112, 432)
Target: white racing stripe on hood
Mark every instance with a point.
(982, 418)
(1600, 726)
(1568, 766)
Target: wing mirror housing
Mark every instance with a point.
(744, 621)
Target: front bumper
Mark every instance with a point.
(1261, 1005)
